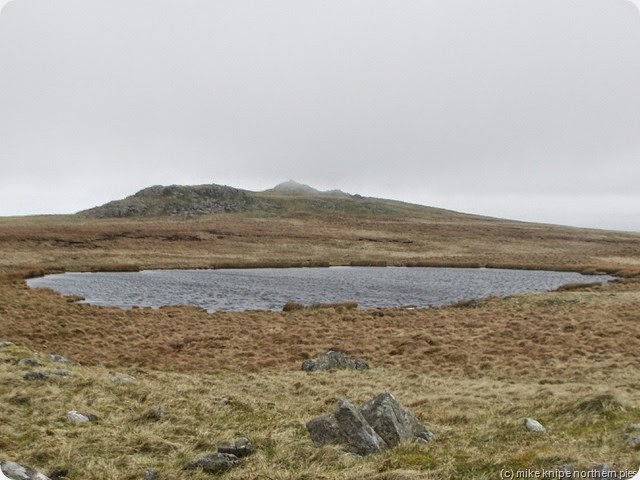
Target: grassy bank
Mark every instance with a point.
(478, 422)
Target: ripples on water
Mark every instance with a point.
(271, 288)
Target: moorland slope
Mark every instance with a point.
(472, 372)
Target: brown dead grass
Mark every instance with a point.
(478, 422)
(473, 371)
(556, 335)
(560, 334)
(71, 243)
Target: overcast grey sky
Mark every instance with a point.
(520, 109)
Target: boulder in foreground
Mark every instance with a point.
(380, 424)
(15, 471)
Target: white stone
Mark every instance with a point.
(19, 472)
(533, 425)
(123, 378)
(77, 417)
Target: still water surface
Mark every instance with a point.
(271, 288)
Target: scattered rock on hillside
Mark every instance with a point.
(380, 424)
(77, 417)
(240, 448)
(123, 378)
(15, 471)
(29, 362)
(227, 457)
(6, 344)
(59, 359)
(332, 360)
(150, 474)
(632, 440)
(35, 376)
(346, 427)
(533, 425)
(392, 422)
(213, 463)
(59, 474)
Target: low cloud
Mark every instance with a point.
(497, 107)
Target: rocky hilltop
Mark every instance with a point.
(289, 197)
(180, 200)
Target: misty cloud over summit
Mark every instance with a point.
(528, 110)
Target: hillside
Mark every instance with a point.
(179, 200)
(471, 371)
(286, 198)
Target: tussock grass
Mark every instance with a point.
(551, 337)
(271, 408)
(578, 286)
(338, 306)
(568, 358)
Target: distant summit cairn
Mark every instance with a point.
(291, 187)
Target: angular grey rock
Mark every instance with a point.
(533, 425)
(150, 474)
(634, 426)
(15, 471)
(346, 427)
(632, 440)
(213, 463)
(333, 360)
(240, 448)
(325, 431)
(59, 359)
(35, 376)
(357, 432)
(359, 364)
(76, 417)
(29, 362)
(392, 422)
(123, 378)
(6, 344)
(380, 424)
